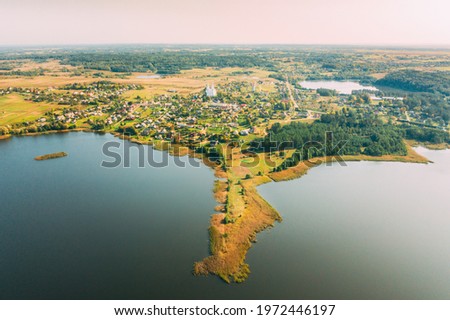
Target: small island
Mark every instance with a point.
(51, 156)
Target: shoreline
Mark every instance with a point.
(431, 146)
(5, 137)
(303, 167)
(230, 241)
(241, 212)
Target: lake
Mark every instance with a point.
(343, 87)
(71, 229)
(368, 230)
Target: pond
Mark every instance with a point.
(343, 87)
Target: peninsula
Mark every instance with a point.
(255, 116)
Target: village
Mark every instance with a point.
(236, 111)
(228, 112)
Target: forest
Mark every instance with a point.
(346, 132)
(426, 134)
(162, 63)
(418, 81)
(159, 60)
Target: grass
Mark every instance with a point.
(263, 163)
(252, 215)
(13, 108)
(53, 66)
(215, 240)
(431, 146)
(42, 81)
(232, 233)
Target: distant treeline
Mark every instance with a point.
(27, 73)
(99, 85)
(315, 63)
(418, 81)
(327, 92)
(160, 59)
(163, 62)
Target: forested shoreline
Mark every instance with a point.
(344, 133)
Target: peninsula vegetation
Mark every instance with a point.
(242, 109)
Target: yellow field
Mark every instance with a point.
(53, 66)
(191, 81)
(41, 81)
(13, 108)
(187, 82)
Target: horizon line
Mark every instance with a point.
(375, 45)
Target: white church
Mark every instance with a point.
(211, 91)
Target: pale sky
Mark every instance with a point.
(365, 22)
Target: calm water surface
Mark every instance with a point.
(368, 230)
(344, 87)
(72, 229)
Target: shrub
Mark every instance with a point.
(3, 131)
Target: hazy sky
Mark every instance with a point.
(391, 22)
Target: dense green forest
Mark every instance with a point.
(352, 132)
(161, 60)
(346, 132)
(426, 134)
(327, 92)
(313, 63)
(418, 81)
(28, 73)
(343, 133)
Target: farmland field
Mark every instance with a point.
(13, 108)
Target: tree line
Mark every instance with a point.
(418, 81)
(346, 132)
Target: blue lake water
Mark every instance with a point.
(368, 230)
(71, 229)
(344, 87)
